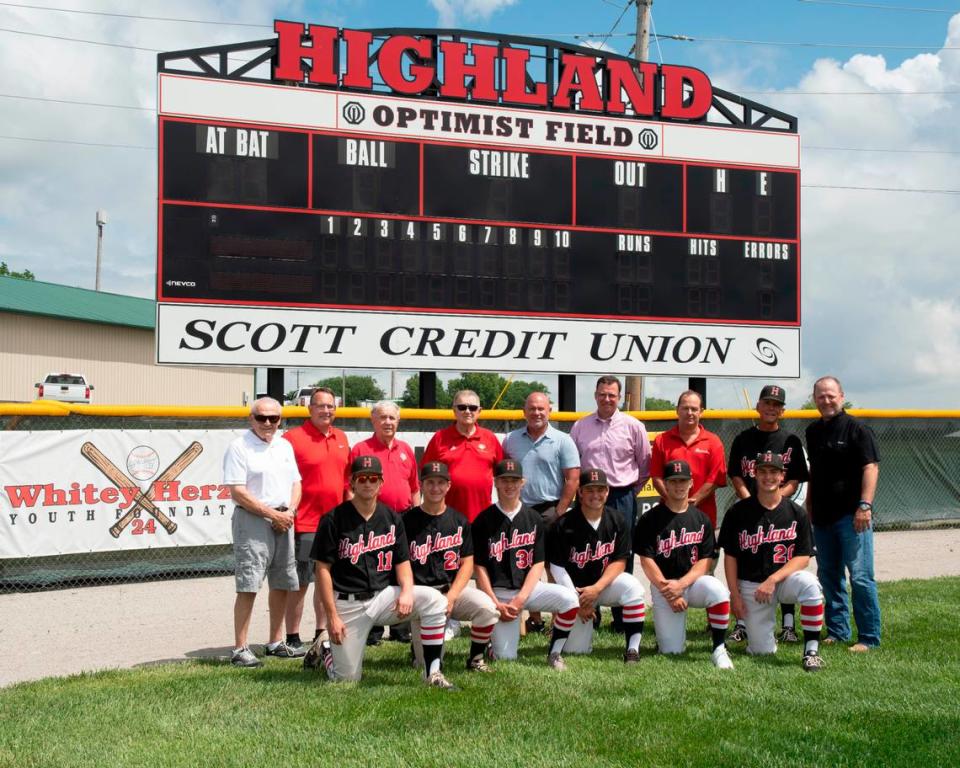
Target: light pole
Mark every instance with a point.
(101, 221)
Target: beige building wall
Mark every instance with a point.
(117, 360)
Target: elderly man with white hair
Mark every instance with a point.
(401, 480)
(264, 483)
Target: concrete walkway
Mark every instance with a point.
(69, 631)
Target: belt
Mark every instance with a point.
(543, 506)
(443, 590)
(356, 596)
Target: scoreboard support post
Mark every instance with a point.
(275, 383)
(427, 395)
(699, 384)
(567, 395)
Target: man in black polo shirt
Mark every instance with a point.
(766, 436)
(844, 467)
(359, 548)
(441, 555)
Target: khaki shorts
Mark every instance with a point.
(261, 552)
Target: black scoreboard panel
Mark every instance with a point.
(540, 190)
(413, 225)
(238, 255)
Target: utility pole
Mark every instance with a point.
(641, 48)
(101, 221)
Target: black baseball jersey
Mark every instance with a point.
(585, 552)
(764, 540)
(507, 548)
(839, 450)
(438, 543)
(675, 542)
(362, 553)
(750, 442)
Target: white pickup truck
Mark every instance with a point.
(65, 387)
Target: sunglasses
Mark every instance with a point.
(262, 417)
(367, 478)
(464, 407)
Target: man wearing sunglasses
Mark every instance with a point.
(361, 550)
(471, 452)
(261, 472)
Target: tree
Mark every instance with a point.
(358, 388)
(659, 404)
(411, 394)
(489, 386)
(5, 272)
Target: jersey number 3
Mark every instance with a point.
(524, 559)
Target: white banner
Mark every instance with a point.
(389, 116)
(192, 334)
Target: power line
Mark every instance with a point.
(137, 16)
(81, 143)
(879, 149)
(881, 7)
(78, 40)
(617, 22)
(884, 189)
(79, 103)
(849, 93)
(782, 43)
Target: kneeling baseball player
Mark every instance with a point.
(509, 555)
(677, 552)
(441, 555)
(588, 549)
(766, 547)
(359, 546)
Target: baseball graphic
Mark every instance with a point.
(143, 462)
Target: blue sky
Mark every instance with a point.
(880, 292)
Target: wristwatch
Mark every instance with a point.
(865, 506)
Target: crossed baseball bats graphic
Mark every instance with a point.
(142, 500)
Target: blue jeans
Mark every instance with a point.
(841, 550)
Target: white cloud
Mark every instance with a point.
(450, 13)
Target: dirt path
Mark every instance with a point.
(128, 625)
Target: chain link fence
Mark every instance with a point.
(919, 485)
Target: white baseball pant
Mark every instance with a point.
(671, 628)
(545, 597)
(625, 590)
(472, 605)
(429, 606)
(801, 587)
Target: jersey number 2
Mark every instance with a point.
(782, 553)
(451, 560)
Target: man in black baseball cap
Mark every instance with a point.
(767, 437)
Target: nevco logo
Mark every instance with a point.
(181, 283)
(412, 65)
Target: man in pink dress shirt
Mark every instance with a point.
(617, 443)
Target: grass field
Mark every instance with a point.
(897, 706)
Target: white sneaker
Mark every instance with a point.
(721, 659)
(452, 630)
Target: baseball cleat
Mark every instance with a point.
(488, 652)
(813, 662)
(788, 635)
(284, 651)
(535, 627)
(739, 634)
(245, 658)
(478, 664)
(437, 680)
(555, 661)
(631, 657)
(720, 658)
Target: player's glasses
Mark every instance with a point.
(464, 407)
(367, 478)
(262, 417)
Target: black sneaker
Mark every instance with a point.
(284, 651)
(788, 635)
(812, 662)
(478, 664)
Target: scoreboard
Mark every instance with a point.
(315, 227)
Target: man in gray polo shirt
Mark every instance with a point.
(264, 482)
(551, 466)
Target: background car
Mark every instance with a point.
(65, 387)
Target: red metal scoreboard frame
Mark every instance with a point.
(489, 334)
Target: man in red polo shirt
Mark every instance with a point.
(471, 452)
(323, 454)
(697, 446)
(400, 489)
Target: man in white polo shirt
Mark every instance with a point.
(264, 482)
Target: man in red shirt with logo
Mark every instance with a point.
(400, 489)
(323, 455)
(471, 452)
(700, 448)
